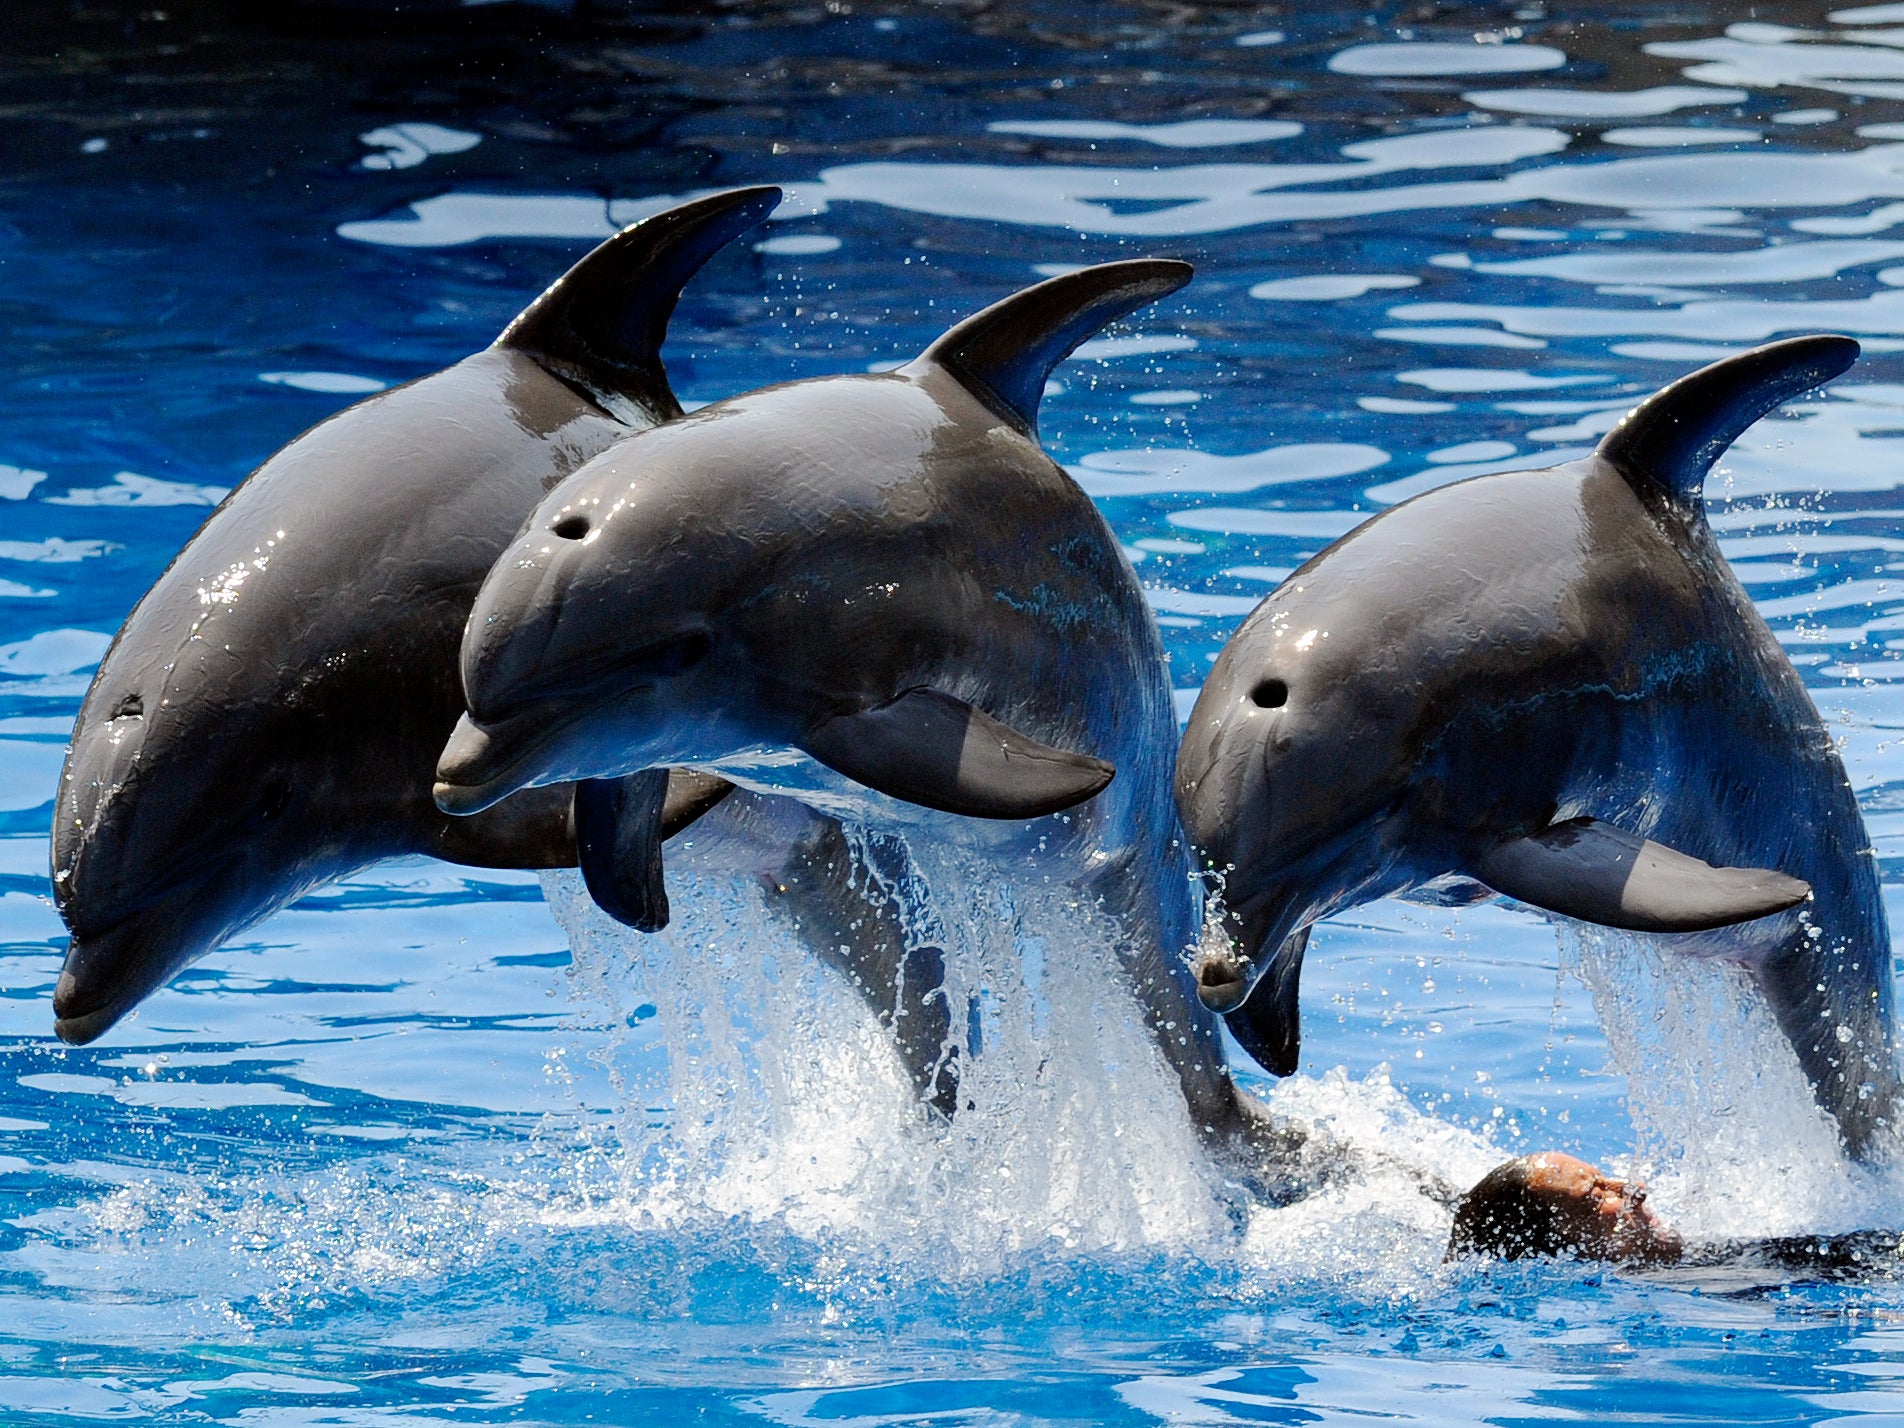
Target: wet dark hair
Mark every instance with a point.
(1503, 1215)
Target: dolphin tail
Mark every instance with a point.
(1670, 441)
(1003, 354)
(600, 325)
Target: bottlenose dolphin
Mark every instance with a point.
(1549, 685)
(269, 716)
(880, 595)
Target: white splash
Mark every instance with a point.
(760, 1088)
(1726, 1130)
(1379, 1229)
(764, 1121)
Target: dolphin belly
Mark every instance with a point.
(1779, 796)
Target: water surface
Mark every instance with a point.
(401, 1156)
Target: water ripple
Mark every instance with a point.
(400, 1154)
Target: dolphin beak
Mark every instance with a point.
(1233, 957)
(101, 980)
(126, 944)
(1221, 797)
(1222, 982)
(82, 1030)
(482, 764)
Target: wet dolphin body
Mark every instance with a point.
(1550, 685)
(269, 716)
(263, 721)
(876, 593)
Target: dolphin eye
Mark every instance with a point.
(571, 527)
(274, 799)
(678, 655)
(1270, 694)
(131, 707)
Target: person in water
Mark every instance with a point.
(1555, 1205)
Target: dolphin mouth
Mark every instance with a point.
(87, 1027)
(108, 971)
(91, 996)
(1227, 974)
(1222, 981)
(482, 764)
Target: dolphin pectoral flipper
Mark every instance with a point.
(1269, 1024)
(600, 325)
(620, 825)
(928, 748)
(1004, 353)
(1672, 439)
(843, 902)
(1594, 872)
(618, 836)
(535, 828)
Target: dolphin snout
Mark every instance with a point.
(483, 763)
(486, 760)
(1222, 982)
(102, 978)
(77, 1016)
(71, 997)
(1220, 798)
(467, 757)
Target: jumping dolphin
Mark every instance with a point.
(878, 594)
(1549, 685)
(268, 717)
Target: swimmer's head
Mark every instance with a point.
(1553, 1204)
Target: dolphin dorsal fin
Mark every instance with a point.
(1004, 353)
(600, 325)
(1671, 440)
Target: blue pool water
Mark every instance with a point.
(399, 1156)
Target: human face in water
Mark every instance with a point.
(1605, 1218)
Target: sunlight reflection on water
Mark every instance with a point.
(383, 1149)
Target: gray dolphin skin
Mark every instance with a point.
(1549, 685)
(877, 594)
(268, 717)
